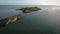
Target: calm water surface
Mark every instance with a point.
(44, 21)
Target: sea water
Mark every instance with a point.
(44, 21)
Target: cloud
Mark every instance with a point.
(23, 3)
(29, 2)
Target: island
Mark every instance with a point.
(9, 20)
(29, 9)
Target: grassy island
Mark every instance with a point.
(29, 9)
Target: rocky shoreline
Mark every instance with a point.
(9, 20)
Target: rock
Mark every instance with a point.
(29, 9)
(10, 20)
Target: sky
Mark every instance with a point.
(29, 2)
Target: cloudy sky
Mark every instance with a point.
(29, 2)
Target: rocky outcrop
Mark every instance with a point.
(9, 20)
(29, 9)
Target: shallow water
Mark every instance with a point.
(44, 21)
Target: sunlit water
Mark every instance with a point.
(44, 21)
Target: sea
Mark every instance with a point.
(44, 21)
